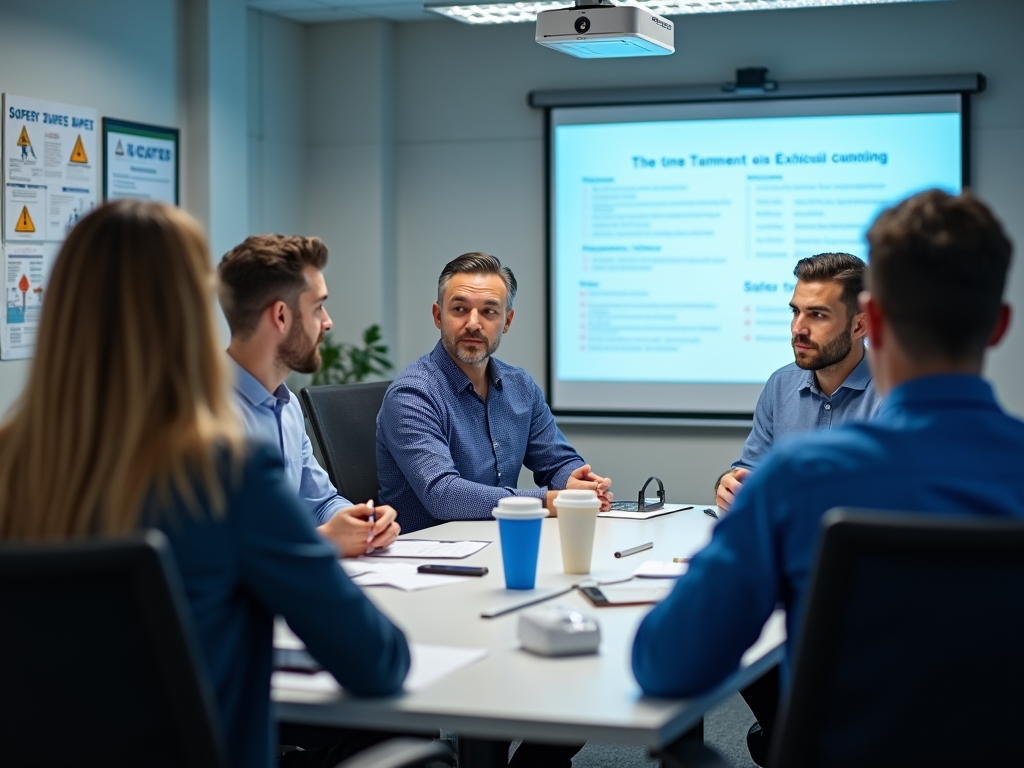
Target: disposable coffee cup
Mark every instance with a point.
(519, 527)
(577, 519)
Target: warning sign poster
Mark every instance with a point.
(26, 271)
(50, 162)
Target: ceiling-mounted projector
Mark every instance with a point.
(596, 29)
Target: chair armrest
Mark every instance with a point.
(402, 753)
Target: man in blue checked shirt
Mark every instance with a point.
(273, 293)
(457, 425)
(829, 382)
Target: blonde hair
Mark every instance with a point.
(128, 393)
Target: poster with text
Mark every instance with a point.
(139, 161)
(26, 272)
(50, 167)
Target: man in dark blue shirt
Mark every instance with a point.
(941, 444)
(457, 425)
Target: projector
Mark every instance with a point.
(596, 29)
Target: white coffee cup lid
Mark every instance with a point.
(519, 508)
(576, 497)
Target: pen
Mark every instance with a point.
(681, 559)
(373, 519)
(634, 550)
(710, 512)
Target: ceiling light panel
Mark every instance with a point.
(512, 13)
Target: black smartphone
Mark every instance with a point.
(595, 595)
(453, 570)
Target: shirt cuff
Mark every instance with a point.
(561, 477)
(537, 493)
(327, 510)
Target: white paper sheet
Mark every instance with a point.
(430, 549)
(367, 573)
(656, 569)
(430, 663)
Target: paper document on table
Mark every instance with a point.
(430, 549)
(432, 662)
(429, 664)
(666, 510)
(655, 569)
(400, 575)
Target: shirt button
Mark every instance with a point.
(495, 443)
(499, 474)
(828, 407)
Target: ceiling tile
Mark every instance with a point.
(287, 5)
(324, 15)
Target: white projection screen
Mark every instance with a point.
(674, 230)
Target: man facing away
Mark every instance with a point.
(272, 291)
(457, 425)
(829, 382)
(940, 444)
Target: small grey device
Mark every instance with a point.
(555, 630)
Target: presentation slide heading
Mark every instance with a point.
(780, 158)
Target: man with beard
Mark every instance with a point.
(272, 291)
(457, 425)
(940, 445)
(829, 382)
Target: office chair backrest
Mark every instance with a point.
(98, 666)
(344, 419)
(911, 650)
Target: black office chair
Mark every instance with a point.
(911, 647)
(403, 753)
(344, 419)
(98, 665)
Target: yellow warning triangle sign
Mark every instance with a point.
(24, 221)
(23, 139)
(78, 153)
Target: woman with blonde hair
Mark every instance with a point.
(127, 422)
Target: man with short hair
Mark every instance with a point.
(829, 382)
(940, 444)
(272, 291)
(457, 425)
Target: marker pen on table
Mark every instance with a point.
(634, 550)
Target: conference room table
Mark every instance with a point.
(512, 693)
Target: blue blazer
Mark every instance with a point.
(261, 558)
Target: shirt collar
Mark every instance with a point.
(440, 357)
(251, 389)
(859, 378)
(963, 388)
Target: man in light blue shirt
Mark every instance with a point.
(273, 293)
(829, 383)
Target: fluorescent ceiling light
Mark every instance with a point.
(512, 13)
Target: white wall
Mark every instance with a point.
(118, 56)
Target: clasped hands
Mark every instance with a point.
(583, 479)
(351, 531)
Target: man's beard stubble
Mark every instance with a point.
(297, 354)
(828, 354)
(451, 346)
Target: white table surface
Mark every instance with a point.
(515, 694)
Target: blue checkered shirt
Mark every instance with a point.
(791, 403)
(444, 453)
